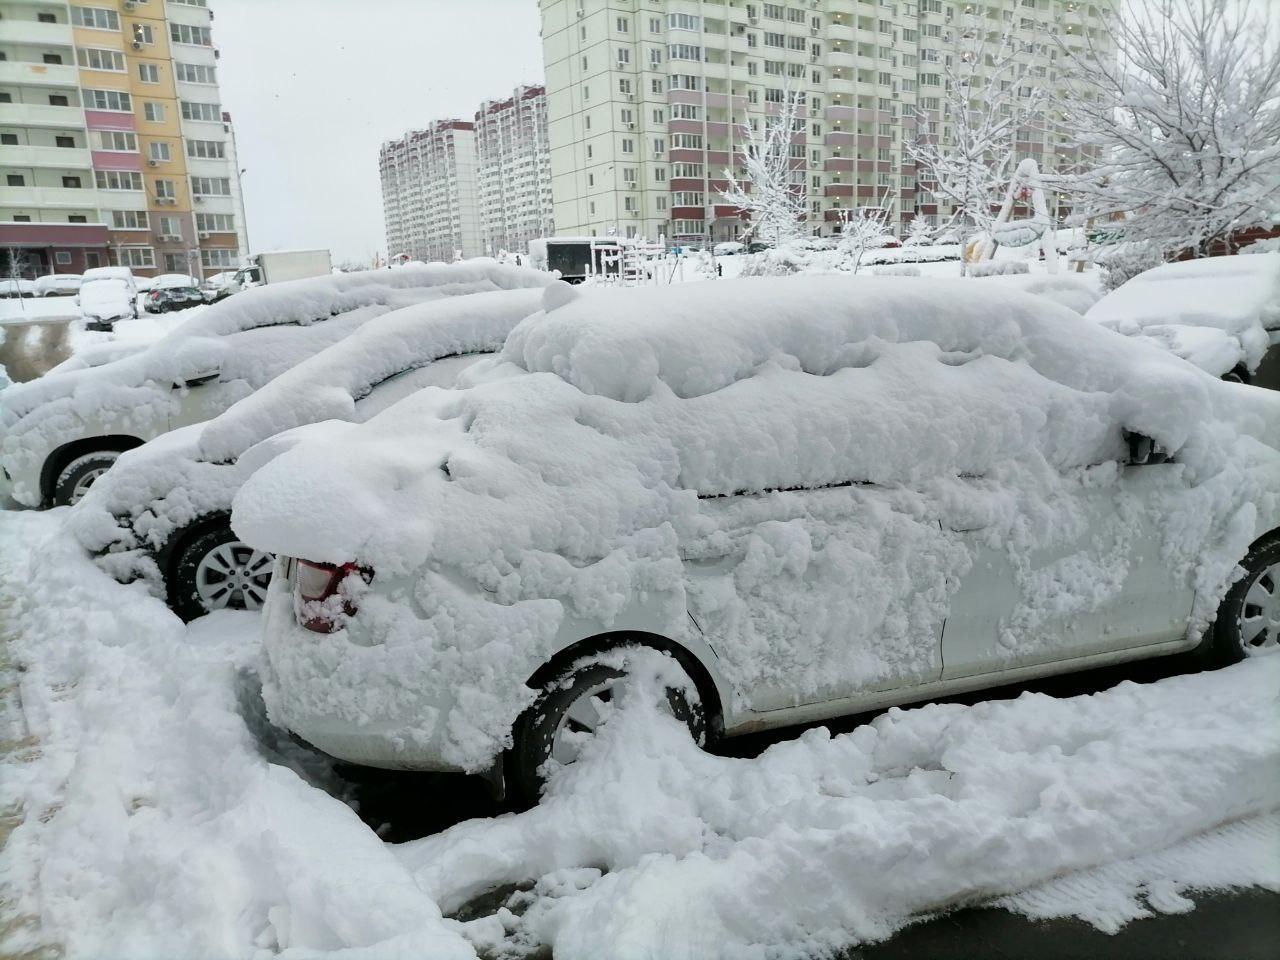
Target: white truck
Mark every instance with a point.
(277, 266)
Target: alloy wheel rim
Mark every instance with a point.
(1260, 613)
(85, 482)
(583, 718)
(233, 575)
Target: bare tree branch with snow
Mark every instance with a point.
(1182, 109)
(771, 192)
(872, 223)
(990, 96)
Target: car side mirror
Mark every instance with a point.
(1144, 450)
(197, 380)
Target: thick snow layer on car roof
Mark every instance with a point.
(246, 340)
(1239, 295)
(190, 473)
(606, 448)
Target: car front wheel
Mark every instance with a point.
(571, 708)
(75, 479)
(1248, 621)
(213, 570)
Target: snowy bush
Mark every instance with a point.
(904, 270)
(1003, 268)
(772, 263)
(1125, 261)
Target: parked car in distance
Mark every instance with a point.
(162, 512)
(60, 432)
(58, 285)
(166, 299)
(1220, 313)
(107, 294)
(15, 288)
(729, 248)
(816, 496)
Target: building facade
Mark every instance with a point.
(429, 200)
(646, 102)
(514, 170)
(115, 147)
(470, 188)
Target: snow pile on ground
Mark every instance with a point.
(870, 422)
(164, 818)
(1218, 312)
(245, 341)
(194, 472)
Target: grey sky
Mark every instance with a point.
(315, 86)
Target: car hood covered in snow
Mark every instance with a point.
(246, 341)
(194, 472)
(621, 434)
(1218, 312)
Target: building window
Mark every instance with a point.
(98, 18)
(624, 25)
(628, 203)
(686, 141)
(176, 263)
(655, 85)
(149, 73)
(61, 141)
(655, 24)
(623, 56)
(142, 33)
(659, 145)
(108, 100)
(170, 227)
(624, 86)
(684, 51)
(55, 100)
(11, 139)
(46, 18)
(628, 145)
(185, 33)
(22, 218)
(660, 203)
(165, 190)
(210, 112)
(62, 258)
(116, 141)
(136, 256)
(194, 73)
(215, 223)
(118, 179)
(129, 220)
(218, 257)
(211, 186)
(15, 180)
(160, 151)
(153, 111)
(687, 198)
(686, 228)
(206, 149)
(77, 218)
(659, 174)
(6, 97)
(684, 21)
(92, 259)
(591, 179)
(71, 183)
(92, 59)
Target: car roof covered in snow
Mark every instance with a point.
(614, 411)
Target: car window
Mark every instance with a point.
(440, 373)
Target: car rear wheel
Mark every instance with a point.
(75, 479)
(571, 708)
(1248, 621)
(213, 570)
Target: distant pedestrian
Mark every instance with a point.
(719, 269)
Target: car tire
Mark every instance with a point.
(75, 479)
(536, 731)
(211, 569)
(1239, 374)
(1248, 620)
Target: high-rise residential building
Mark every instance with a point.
(514, 170)
(470, 187)
(115, 147)
(429, 192)
(647, 98)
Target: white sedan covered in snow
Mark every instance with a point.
(61, 432)
(817, 496)
(162, 511)
(1220, 313)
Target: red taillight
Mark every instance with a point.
(317, 599)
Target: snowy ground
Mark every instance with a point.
(162, 817)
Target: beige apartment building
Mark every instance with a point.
(114, 147)
(646, 99)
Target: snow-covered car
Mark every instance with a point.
(729, 248)
(162, 511)
(1220, 313)
(58, 285)
(14, 288)
(59, 433)
(107, 294)
(169, 298)
(817, 495)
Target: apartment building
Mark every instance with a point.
(472, 188)
(114, 147)
(514, 170)
(429, 197)
(647, 98)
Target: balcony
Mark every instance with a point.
(61, 158)
(18, 73)
(34, 33)
(40, 115)
(65, 197)
(53, 234)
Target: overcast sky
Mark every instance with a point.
(315, 86)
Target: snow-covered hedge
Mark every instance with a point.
(792, 432)
(1002, 268)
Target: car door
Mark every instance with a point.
(808, 596)
(1097, 581)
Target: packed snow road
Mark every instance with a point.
(163, 817)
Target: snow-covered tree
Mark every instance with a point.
(919, 233)
(865, 229)
(990, 96)
(770, 191)
(1180, 106)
